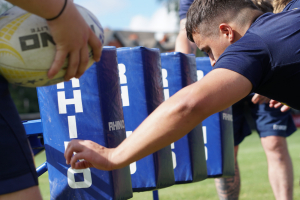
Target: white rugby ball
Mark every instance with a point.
(27, 49)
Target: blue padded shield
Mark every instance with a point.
(89, 108)
(218, 134)
(142, 92)
(179, 70)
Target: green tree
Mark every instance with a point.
(24, 98)
(172, 5)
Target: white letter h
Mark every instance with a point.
(63, 102)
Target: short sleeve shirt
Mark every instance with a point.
(292, 5)
(268, 55)
(184, 6)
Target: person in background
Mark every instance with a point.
(18, 177)
(267, 121)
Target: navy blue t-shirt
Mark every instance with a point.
(184, 6)
(292, 5)
(269, 56)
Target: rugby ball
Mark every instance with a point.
(27, 48)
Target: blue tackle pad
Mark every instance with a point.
(89, 108)
(218, 134)
(178, 71)
(142, 92)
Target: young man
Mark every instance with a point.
(250, 51)
(18, 178)
(267, 121)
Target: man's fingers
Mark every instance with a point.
(255, 99)
(72, 147)
(74, 60)
(57, 64)
(83, 165)
(277, 105)
(284, 108)
(75, 158)
(272, 103)
(84, 60)
(96, 46)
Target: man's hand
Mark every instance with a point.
(257, 98)
(70, 32)
(72, 36)
(94, 155)
(276, 104)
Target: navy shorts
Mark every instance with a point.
(17, 170)
(268, 121)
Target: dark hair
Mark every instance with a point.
(205, 11)
(279, 5)
(264, 5)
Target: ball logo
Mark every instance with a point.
(6, 33)
(27, 49)
(6, 49)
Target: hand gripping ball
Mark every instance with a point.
(27, 49)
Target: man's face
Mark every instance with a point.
(214, 46)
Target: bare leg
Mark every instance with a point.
(32, 193)
(280, 168)
(229, 188)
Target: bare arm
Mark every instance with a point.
(42, 8)
(169, 122)
(70, 33)
(183, 45)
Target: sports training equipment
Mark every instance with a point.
(27, 48)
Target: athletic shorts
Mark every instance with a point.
(268, 121)
(17, 170)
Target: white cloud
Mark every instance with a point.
(161, 21)
(103, 7)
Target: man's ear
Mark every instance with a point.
(227, 31)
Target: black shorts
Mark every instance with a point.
(17, 170)
(268, 121)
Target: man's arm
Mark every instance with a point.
(169, 122)
(70, 33)
(182, 44)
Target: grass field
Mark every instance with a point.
(253, 169)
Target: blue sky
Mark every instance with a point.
(138, 15)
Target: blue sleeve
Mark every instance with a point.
(184, 7)
(292, 5)
(248, 57)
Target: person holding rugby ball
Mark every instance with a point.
(18, 177)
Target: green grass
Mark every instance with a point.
(253, 169)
